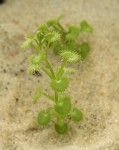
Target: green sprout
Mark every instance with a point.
(48, 36)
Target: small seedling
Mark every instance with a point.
(45, 39)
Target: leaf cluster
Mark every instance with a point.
(60, 38)
(53, 35)
(70, 35)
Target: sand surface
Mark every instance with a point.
(95, 86)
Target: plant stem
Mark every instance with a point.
(36, 42)
(34, 47)
(47, 49)
(53, 74)
(61, 70)
(50, 67)
(48, 96)
(56, 96)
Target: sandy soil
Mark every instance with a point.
(96, 82)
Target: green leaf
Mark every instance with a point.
(40, 36)
(60, 85)
(41, 32)
(30, 36)
(37, 95)
(44, 118)
(84, 49)
(52, 37)
(43, 28)
(61, 127)
(69, 70)
(52, 22)
(37, 59)
(27, 43)
(63, 106)
(76, 114)
(73, 33)
(55, 21)
(85, 27)
(57, 48)
(33, 68)
(70, 56)
(71, 46)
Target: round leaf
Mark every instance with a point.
(63, 106)
(85, 27)
(76, 114)
(61, 127)
(53, 37)
(73, 33)
(37, 59)
(43, 118)
(84, 49)
(70, 56)
(60, 85)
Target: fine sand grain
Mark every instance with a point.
(94, 89)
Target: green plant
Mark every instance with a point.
(42, 42)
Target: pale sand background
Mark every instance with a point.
(95, 85)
